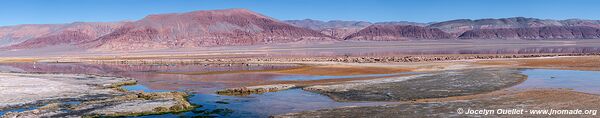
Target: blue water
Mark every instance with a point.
(141, 88)
(202, 88)
(260, 105)
(2, 112)
(296, 100)
(582, 81)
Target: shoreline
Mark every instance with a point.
(340, 59)
(534, 99)
(342, 68)
(72, 95)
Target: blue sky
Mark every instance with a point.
(65, 11)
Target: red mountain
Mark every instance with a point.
(10, 35)
(68, 34)
(535, 33)
(201, 29)
(398, 32)
(177, 30)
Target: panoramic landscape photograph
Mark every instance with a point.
(299, 58)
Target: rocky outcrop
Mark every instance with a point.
(535, 33)
(243, 91)
(397, 33)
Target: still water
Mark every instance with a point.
(581, 81)
(176, 77)
(164, 78)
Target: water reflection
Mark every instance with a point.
(202, 86)
(152, 76)
(262, 105)
(582, 81)
(432, 50)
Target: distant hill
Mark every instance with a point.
(36, 36)
(398, 32)
(535, 33)
(457, 27)
(340, 29)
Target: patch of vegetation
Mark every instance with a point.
(181, 98)
(125, 83)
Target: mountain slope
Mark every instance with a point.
(535, 33)
(336, 28)
(457, 27)
(320, 25)
(10, 35)
(72, 34)
(341, 29)
(398, 32)
(203, 28)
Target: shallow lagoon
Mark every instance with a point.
(582, 81)
(152, 79)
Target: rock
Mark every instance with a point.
(135, 105)
(242, 91)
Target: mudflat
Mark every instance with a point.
(22, 88)
(422, 86)
(569, 63)
(75, 95)
(508, 100)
